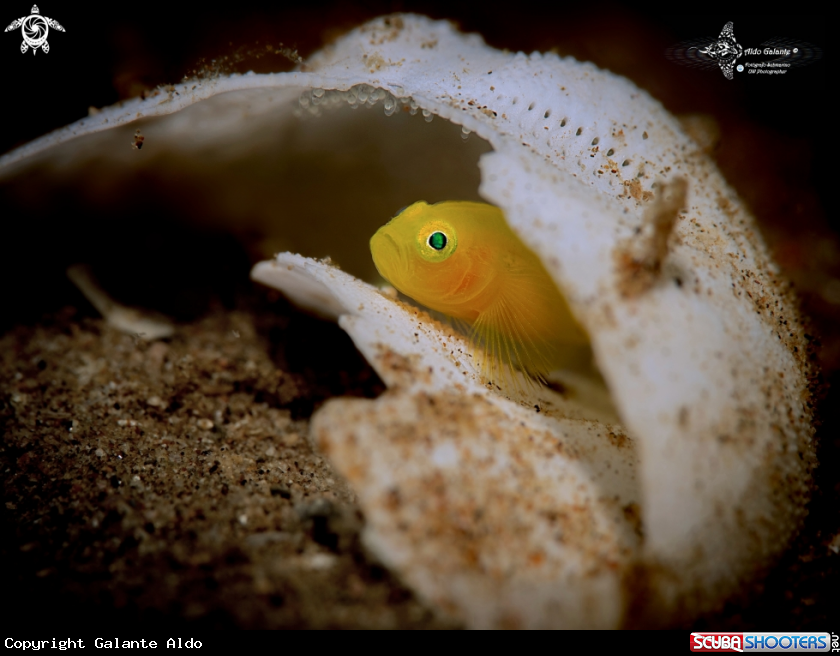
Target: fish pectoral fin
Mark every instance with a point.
(510, 340)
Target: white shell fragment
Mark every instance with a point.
(533, 509)
(129, 320)
(495, 513)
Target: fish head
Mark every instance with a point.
(427, 252)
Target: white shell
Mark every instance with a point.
(495, 513)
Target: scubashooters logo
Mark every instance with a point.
(761, 642)
(724, 52)
(34, 29)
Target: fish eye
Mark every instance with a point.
(437, 240)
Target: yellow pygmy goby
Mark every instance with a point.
(461, 258)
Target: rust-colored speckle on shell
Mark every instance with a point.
(639, 260)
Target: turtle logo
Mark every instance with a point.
(725, 51)
(34, 29)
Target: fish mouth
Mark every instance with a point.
(387, 255)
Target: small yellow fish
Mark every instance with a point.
(461, 258)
